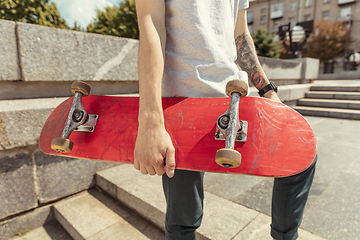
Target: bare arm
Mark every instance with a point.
(247, 57)
(153, 144)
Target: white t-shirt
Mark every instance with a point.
(200, 47)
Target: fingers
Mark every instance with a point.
(170, 163)
(152, 167)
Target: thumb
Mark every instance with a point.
(170, 162)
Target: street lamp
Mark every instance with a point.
(294, 39)
(295, 36)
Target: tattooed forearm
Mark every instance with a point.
(248, 61)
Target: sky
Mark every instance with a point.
(81, 11)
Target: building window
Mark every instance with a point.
(263, 20)
(325, 15)
(250, 18)
(308, 3)
(326, 1)
(292, 21)
(250, 29)
(263, 10)
(292, 6)
(276, 24)
(342, 2)
(307, 17)
(277, 10)
(345, 12)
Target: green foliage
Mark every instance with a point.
(78, 27)
(117, 21)
(265, 44)
(32, 11)
(327, 42)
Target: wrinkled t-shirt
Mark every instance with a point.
(200, 47)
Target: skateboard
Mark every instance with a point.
(235, 134)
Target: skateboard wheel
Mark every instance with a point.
(238, 86)
(81, 87)
(63, 145)
(228, 158)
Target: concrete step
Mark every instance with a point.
(335, 88)
(333, 95)
(329, 112)
(92, 215)
(51, 231)
(329, 103)
(223, 219)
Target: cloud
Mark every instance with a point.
(81, 11)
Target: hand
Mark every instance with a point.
(272, 95)
(154, 152)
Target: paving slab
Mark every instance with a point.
(85, 217)
(259, 228)
(51, 231)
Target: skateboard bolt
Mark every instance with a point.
(224, 121)
(78, 115)
(217, 134)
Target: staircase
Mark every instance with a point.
(331, 101)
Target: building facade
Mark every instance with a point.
(270, 14)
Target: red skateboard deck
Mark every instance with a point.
(280, 142)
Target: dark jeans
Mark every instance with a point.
(185, 193)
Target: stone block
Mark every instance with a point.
(310, 67)
(61, 176)
(280, 68)
(26, 222)
(66, 55)
(17, 189)
(9, 62)
(85, 217)
(21, 128)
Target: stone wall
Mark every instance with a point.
(37, 66)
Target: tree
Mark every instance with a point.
(117, 21)
(32, 11)
(265, 44)
(327, 42)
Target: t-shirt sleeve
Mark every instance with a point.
(243, 4)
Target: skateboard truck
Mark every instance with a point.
(229, 128)
(78, 119)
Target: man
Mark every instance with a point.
(188, 48)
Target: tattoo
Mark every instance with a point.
(246, 59)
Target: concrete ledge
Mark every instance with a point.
(287, 93)
(49, 54)
(9, 62)
(48, 89)
(342, 75)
